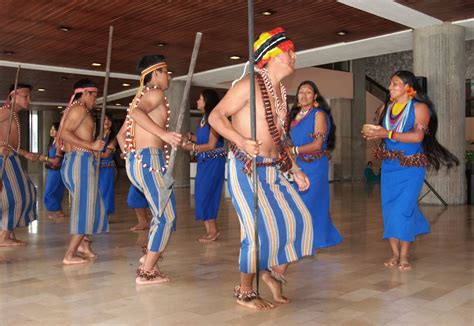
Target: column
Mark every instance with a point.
(181, 168)
(439, 55)
(342, 154)
(358, 149)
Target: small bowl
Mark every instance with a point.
(367, 128)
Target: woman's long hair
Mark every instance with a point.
(436, 153)
(55, 125)
(323, 105)
(211, 99)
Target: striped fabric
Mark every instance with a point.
(284, 224)
(150, 184)
(18, 203)
(88, 214)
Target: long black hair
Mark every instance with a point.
(436, 153)
(55, 125)
(211, 99)
(323, 105)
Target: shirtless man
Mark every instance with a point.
(144, 137)
(285, 229)
(18, 194)
(78, 171)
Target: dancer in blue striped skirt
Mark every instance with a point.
(78, 171)
(18, 194)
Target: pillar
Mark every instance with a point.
(358, 149)
(175, 95)
(439, 55)
(342, 154)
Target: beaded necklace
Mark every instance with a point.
(130, 132)
(63, 119)
(281, 108)
(17, 122)
(203, 122)
(397, 122)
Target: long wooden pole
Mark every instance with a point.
(9, 128)
(253, 129)
(104, 102)
(168, 177)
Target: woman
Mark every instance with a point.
(54, 188)
(107, 166)
(209, 149)
(312, 132)
(408, 125)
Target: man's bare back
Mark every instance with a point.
(13, 140)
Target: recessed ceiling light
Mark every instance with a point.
(161, 44)
(41, 89)
(342, 33)
(118, 104)
(96, 64)
(169, 72)
(267, 12)
(64, 78)
(60, 107)
(125, 84)
(234, 57)
(64, 28)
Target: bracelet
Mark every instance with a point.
(297, 151)
(393, 135)
(194, 147)
(390, 133)
(46, 158)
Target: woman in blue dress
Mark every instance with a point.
(312, 132)
(107, 166)
(54, 188)
(211, 157)
(407, 127)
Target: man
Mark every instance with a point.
(78, 171)
(18, 194)
(146, 138)
(284, 224)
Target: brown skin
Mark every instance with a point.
(212, 232)
(150, 123)
(398, 92)
(77, 129)
(306, 98)
(235, 104)
(22, 101)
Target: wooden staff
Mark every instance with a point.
(253, 130)
(168, 177)
(9, 128)
(104, 101)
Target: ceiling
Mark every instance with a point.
(30, 33)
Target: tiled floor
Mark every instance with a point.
(344, 285)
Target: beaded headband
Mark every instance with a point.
(82, 90)
(271, 44)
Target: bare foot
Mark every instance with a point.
(275, 287)
(148, 277)
(392, 262)
(210, 238)
(140, 227)
(256, 304)
(12, 243)
(204, 237)
(404, 265)
(74, 260)
(142, 259)
(55, 215)
(85, 250)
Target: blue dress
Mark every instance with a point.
(107, 179)
(316, 167)
(135, 198)
(401, 187)
(209, 176)
(54, 189)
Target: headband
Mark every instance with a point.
(82, 90)
(271, 44)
